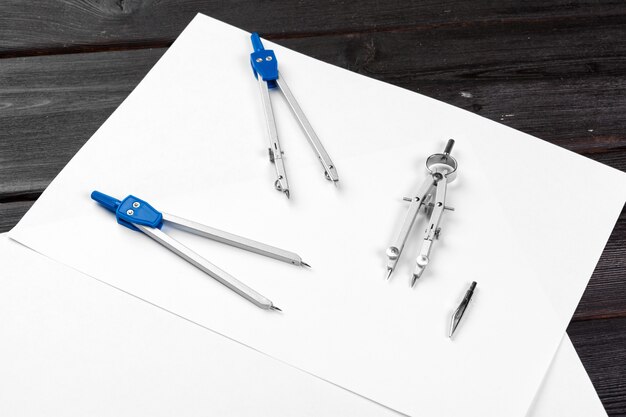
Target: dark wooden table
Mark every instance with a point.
(553, 69)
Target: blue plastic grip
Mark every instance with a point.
(256, 42)
(130, 210)
(263, 62)
(106, 201)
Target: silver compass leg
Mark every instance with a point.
(395, 250)
(275, 152)
(207, 267)
(233, 240)
(329, 168)
(432, 231)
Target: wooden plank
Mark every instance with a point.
(605, 295)
(50, 106)
(46, 26)
(601, 345)
(11, 213)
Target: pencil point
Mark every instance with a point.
(287, 193)
(389, 271)
(273, 307)
(305, 264)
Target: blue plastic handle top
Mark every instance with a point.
(263, 61)
(130, 210)
(257, 45)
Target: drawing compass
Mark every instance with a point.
(431, 199)
(138, 215)
(265, 69)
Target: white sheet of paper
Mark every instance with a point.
(81, 347)
(567, 390)
(197, 114)
(73, 346)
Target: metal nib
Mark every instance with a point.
(389, 272)
(287, 193)
(460, 310)
(454, 323)
(414, 280)
(273, 307)
(305, 264)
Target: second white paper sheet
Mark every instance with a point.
(80, 346)
(189, 140)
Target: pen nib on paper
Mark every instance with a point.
(460, 310)
(273, 307)
(305, 264)
(287, 193)
(454, 323)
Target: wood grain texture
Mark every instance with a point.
(50, 106)
(600, 345)
(606, 293)
(12, 212)
(552, 69)
(45, 26)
